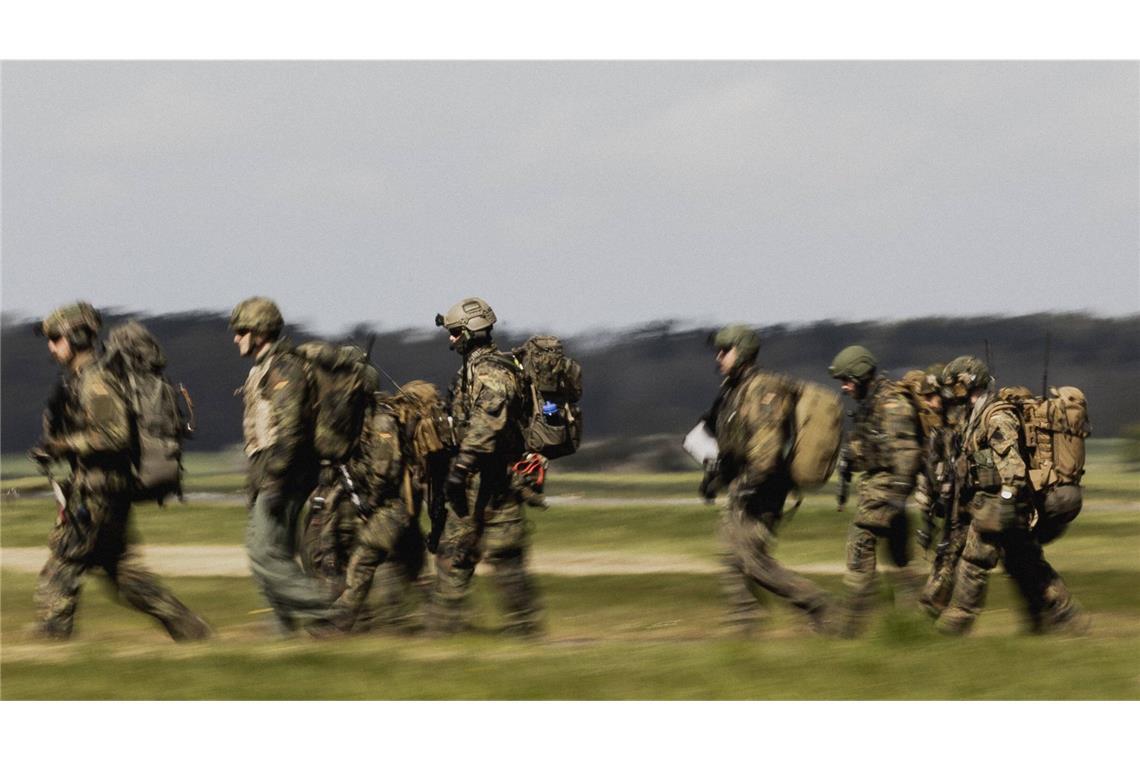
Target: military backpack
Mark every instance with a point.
(343, 384)
(817, 429)
(158, 424)
(553, 385)
(1053, 433)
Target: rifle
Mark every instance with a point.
(1045, 373)
(436, 502)
(950, 518)
(844, 470)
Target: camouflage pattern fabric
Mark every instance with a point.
(885, 446)
(89, 425)
(487, 406)
(991, 462)
(282, 472)
(751, 429)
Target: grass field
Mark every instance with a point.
(609, 636)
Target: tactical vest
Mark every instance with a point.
(259, 426)
(869, 443)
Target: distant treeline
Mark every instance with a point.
(654, 379)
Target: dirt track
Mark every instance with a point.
(232, 561)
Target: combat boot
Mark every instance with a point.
(190, 628)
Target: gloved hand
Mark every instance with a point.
(710, 483)
(456, 489)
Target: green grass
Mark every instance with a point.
(610, 637)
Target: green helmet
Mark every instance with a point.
(853, 363)
(471, 314)
(743, 338)
(258, 315)
(70, 319)
(963, 375)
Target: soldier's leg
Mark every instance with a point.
(859, 580)
(1049, 604)
(506, 547)
(979, 556)
(905, 580)
(396, 591)
(375, 542)
(458, 554)
(940, 585)
(759, 538)
(270, 540)
(57, 596)
(745, 610)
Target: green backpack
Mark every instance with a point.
(343, 382)
(553, 424)
(158, 425)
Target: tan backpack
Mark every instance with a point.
(1054, 430)
(817, 432)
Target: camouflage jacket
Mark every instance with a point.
(88, 419)
(885, 437)
(751, 424)
(991, 457)
(278, 423)
(487, 408)
(381, 464)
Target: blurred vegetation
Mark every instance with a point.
(645, 386)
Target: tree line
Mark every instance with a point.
(650, 380)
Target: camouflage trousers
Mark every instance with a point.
(272, 545)
(386, 558)
(748, 570)
(1049, 604)
(97, 535)
(940, 583)
(879, 517)
(501, 537)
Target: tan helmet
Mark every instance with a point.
(471, 314)
(257, 315)
(79, 322)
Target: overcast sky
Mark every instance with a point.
(573, 195)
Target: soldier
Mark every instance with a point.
(282, 464)
(993, 490)
(401, 454)
(482, 492)
(750, 420)
(884, 446)
(87, 423)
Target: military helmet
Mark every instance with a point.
(853, 363)
(471, 314)
(743, 338)
(934, 377)
(77, 321)
(963, 375)
(258, 315)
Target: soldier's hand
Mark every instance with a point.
(710, 485)
(456, 489)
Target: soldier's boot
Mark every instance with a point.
(190, 628)
(521, 610)
(51, 631)
(1061, 612)
(936, 595)
(446, 618)
(822, 619)
(856, 609)
(906, 587)
(955, 621)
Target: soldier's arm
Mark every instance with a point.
(901, 427)
(383, 457)
(1002, 436)
(766, 410)
(287, 389)
(489, 417)
(107, 425)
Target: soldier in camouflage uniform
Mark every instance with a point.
(884, 446)
(750, 421)
(88, 424)
(283, 466)
(388, 544)
(488, 507)
(993, 490)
